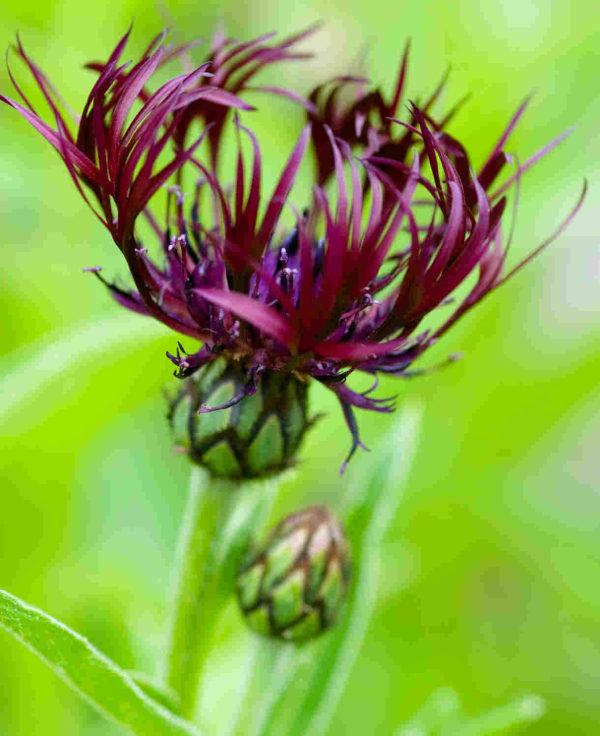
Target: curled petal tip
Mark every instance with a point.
(343, 289)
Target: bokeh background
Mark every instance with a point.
(492, 568)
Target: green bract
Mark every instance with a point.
(257, 436)
(293, 587)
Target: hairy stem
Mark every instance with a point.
(376, 515)
(193, 605)
(219, 520)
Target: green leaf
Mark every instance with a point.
(94, 676)
(22, 375)
(499, 720)
(441, 715)
(441, 708)
(157, 691)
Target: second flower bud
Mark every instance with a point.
(294, 585)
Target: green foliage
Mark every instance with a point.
(27, 373)
(323, 670)
(442, 715)
(218, 523)
(369, 517)
(90, 672)
(497, 535)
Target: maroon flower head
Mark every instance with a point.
(341, 285)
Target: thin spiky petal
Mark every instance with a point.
(397, 223)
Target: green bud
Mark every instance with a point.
(294, 585)
(257, 436)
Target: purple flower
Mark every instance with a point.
(397, 220)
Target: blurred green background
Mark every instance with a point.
(493, 566)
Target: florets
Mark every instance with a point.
(398, 219)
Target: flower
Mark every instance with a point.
(362, 116)
(340, 286)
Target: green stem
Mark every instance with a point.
(369, 571)
(289, 664)
(264, 658)
(366, 524)
(220, 518)
(269, 671)
(193, 611)
(245, 691)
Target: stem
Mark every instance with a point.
(364, 597)
(220, 518)
(244, 694)
(264, 657)
(270, 669)
(192, 614)
(289, 663)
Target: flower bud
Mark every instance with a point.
(256, 433)
(294, 586)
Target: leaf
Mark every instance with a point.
(499, 720)
(156, 691)
(441, 708)
(441, 715)
(32, 368)
(94, 676)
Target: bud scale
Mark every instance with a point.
(257, 436)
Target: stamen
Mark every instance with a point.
(287, 279)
